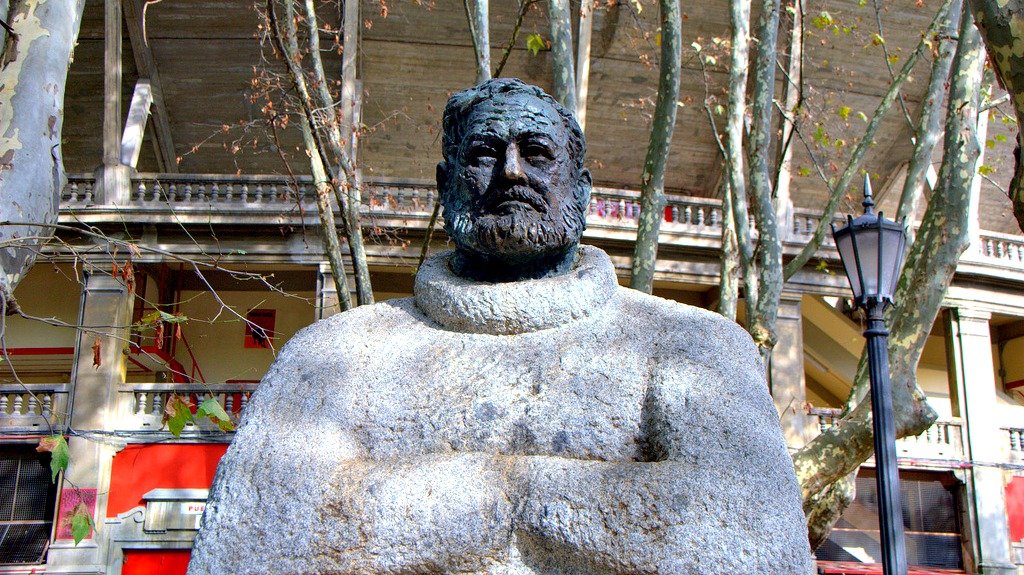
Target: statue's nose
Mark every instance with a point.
(513, 164)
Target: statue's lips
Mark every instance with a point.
(517, 199)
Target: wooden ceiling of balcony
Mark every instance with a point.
(411, 60)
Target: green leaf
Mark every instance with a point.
(822, 20)
(990, 143)
(153, 317)
(804, 172)
(863, 117)
(535, 43)
(844, 112)
(81, 523)
(212, 409)
(1000, 137)
(986, 170)
(57, 446)
(177, 413)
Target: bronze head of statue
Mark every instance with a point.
(512, 182)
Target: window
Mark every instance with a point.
(931, 520)
(27, 499)
(259, 328)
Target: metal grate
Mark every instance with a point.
(27, 499)
(930, 518)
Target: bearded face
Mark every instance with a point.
(514, 194)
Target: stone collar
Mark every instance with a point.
(510, 308)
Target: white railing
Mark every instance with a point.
(1002, 247)
(1016, 437)
(142, 404)
(943, 440)
(411, 202)
(33, 407)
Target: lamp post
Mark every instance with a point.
(871, 249)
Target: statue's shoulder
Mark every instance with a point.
(336, 350)
(682, 332)
(356, 324)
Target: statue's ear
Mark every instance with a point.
(443, 173)
(583, 187)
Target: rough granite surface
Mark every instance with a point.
(562, 426)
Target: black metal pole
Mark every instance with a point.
(890, 508)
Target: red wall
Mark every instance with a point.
(155, 562)
(138, 469)
(1015, 507)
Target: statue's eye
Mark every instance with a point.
(482, 153)
(535, 152)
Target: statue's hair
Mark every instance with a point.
(461, 105)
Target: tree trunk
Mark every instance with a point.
(739, 19)
(761, 324)
(929, 128)
(562, 68)
(1002, 25)
(930, 265)
(32, 176)
(479, 31)
(728, 285)
(652, 190)
(322, 120)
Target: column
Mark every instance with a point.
(104, 317)
(970, 349)
(326, 293)
(786, 373)
(114, 178)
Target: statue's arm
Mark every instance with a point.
(717, 495)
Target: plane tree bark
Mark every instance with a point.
(1002, 27)
(32, 82)
(652, 185)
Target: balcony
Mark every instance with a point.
(32, 408)
(141, 405)
(1016, 437)
(278, 200)
(942, 443)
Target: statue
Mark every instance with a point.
(522, 414)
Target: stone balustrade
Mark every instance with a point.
(142, 404)
(942, 441)
(1016, 437)
(612, 212)
(32, 407)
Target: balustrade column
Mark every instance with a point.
(973, 382)
(327, 293)
(786, 374)
(104, 315)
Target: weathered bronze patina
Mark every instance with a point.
(512, 182)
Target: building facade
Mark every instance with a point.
(200, 260)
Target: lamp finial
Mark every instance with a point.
(868, 203)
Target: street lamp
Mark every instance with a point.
(871, 249)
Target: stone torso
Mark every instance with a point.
(388, 440)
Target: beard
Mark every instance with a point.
(520, 234)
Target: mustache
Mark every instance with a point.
(530, 195)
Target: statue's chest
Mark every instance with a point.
(564, 403)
